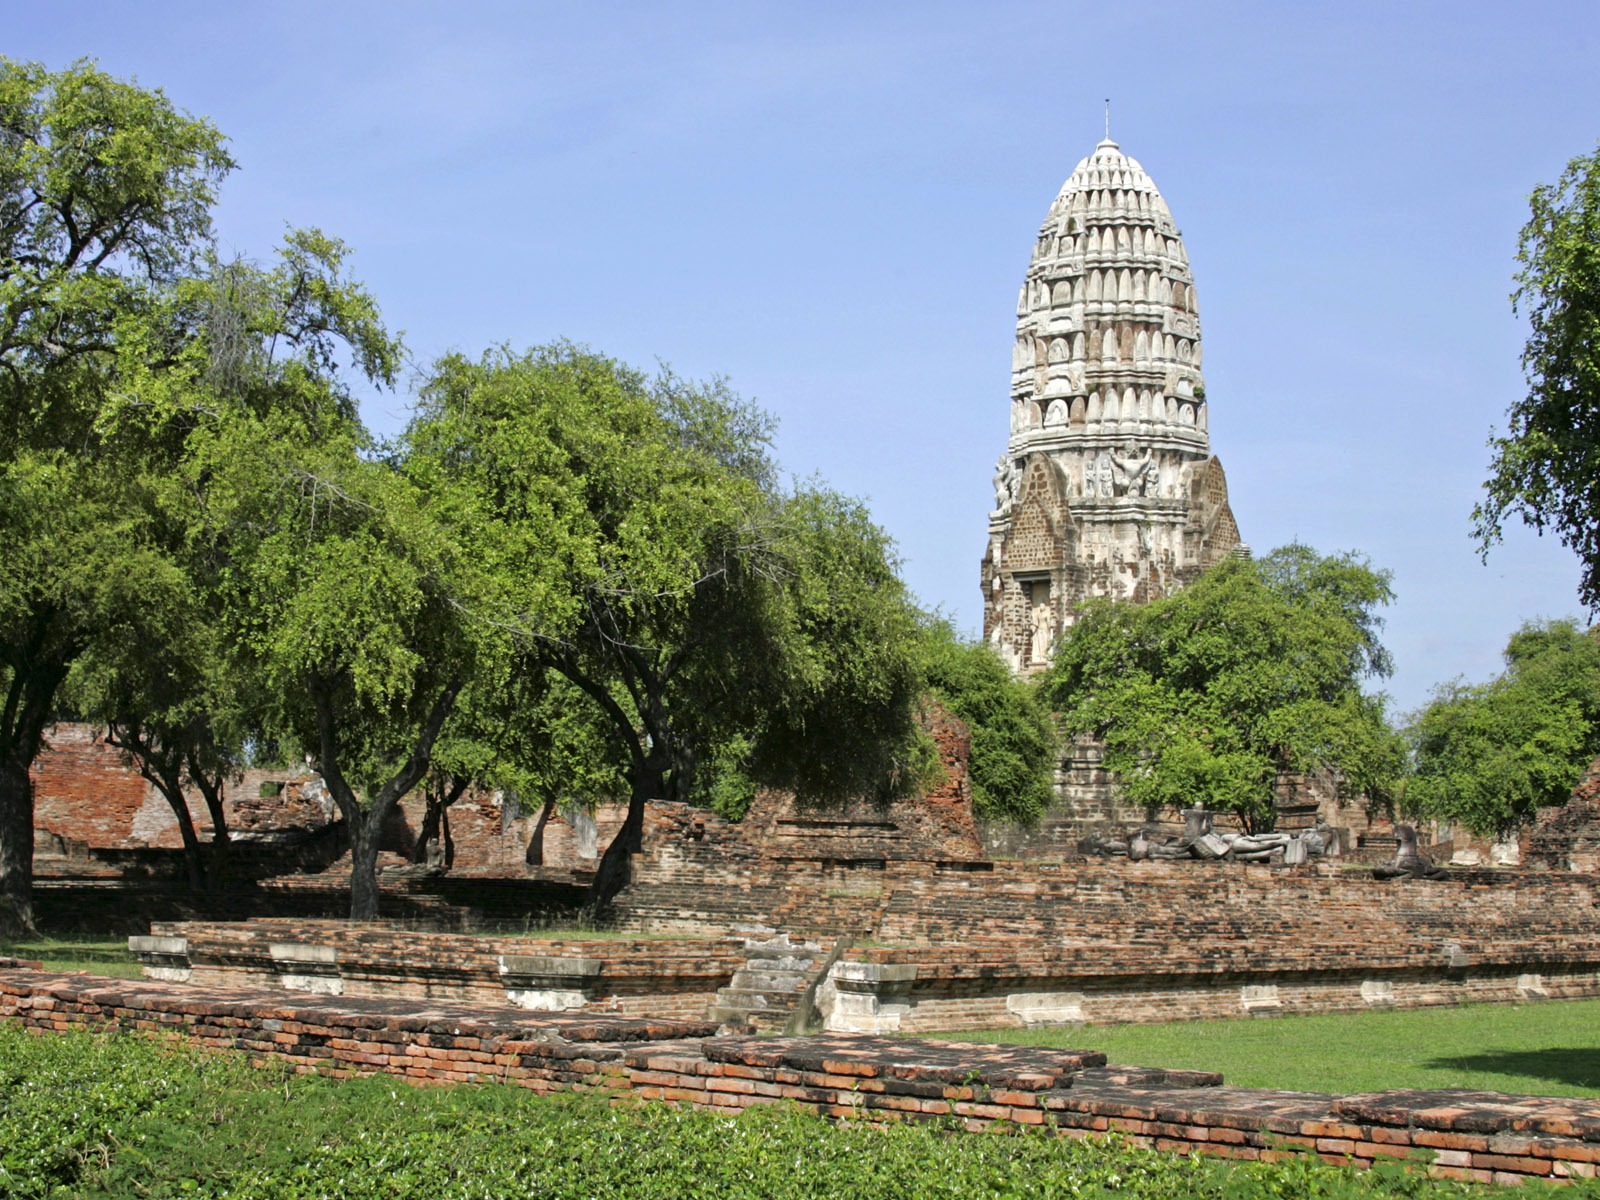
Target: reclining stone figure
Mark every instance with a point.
(1199, 841)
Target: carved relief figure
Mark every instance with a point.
(1101, 481)
(1136, 474)
(1005, 484)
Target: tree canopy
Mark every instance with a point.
(1546, 467)
(105, 195)
(1490, 755)
(1255, 669)
(715, 621)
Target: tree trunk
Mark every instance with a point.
(211, 787)
(193, 860)
(364, 836)
(613, 874)
(16, 850)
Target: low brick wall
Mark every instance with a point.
(659, 977)
(1472, 1135)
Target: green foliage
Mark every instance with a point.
(105, 191)
(1254, 669)
(120, 1116)
(1490, 755)
(1013, 744)
(1546, 468)
(725, 631)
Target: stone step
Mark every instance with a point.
(751, 979)
(755, 998)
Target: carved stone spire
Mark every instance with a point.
(1111, 486)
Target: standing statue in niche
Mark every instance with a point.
(1044, 633)
(1101, 484)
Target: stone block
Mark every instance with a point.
(1377, 993)
(1047, 1008)
(301, 952)
(141, 945)
(1260, 999)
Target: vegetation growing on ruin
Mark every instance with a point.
(1490, 755)
(122, 1116)
(1255, 669)
(105, 196)
(91, 953)
(1012, 767)
(209, 552)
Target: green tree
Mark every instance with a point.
(1490, 755)
(705, 608)
(181, 714)
(1546, 468)
(1013, 743)
(105, 194)
(1255, 669)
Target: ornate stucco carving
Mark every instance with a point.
(1108, 486)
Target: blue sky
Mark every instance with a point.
(833, 204)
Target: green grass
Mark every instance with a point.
(120, 1116)
(1550, 1049)
(97, 955)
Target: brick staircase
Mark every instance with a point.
(766, 991)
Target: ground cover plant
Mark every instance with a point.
(1550, 1049)
(89, 1115)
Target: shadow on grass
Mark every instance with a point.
(1575, 1067)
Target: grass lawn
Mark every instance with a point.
(1550, 1049)
(97, 955)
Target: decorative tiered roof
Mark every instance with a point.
(1108, 337)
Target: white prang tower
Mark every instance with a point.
(1108, 486)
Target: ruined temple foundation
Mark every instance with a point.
(1482, 1136)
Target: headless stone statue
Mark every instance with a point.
(1409, 862)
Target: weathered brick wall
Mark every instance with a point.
(87, 797)
(658, 977)
(935, 826)
(1478, 1136)
(1151, 940)
(1567, 837)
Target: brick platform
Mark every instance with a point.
(1473, 1135)
(658, 977)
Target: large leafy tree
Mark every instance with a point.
(651, 561)
(1490, 755)
(105, 194)
(1255, 669)
(1546, 467)
(344, 581)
